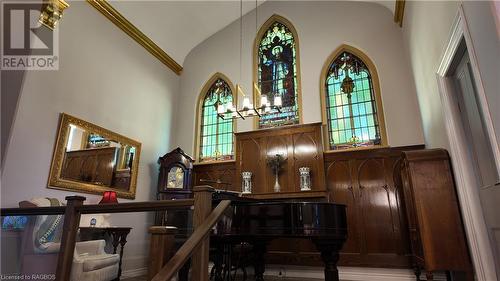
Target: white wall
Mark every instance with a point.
(426, 29)
(321, 27)
(105, 78)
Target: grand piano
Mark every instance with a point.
(257, 223)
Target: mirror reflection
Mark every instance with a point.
(92, 158)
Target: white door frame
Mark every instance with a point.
(467, 189)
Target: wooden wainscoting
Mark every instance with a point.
(369, 183)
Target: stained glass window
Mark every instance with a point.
(350, 104)
(216, 137)
(277, 73)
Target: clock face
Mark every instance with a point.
(175, 178)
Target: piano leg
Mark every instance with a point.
(330, 256)
(259, 250)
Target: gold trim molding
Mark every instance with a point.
(399, 12)
(120, 21)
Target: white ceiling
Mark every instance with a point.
(179, 26)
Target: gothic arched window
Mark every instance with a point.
(351, 100)
(277, 70)
(215, 141)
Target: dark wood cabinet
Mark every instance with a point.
(435, 226)
(368, 183)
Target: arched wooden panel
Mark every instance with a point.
(251, 162)
(306, 154)
(340, 191)
(375, 203)
(398, 207)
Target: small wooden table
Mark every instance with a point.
(117, 236)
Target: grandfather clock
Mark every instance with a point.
(174, 182)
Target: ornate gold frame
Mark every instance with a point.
(262, 30)
(199, 105)
(376, 89)
(56, 182)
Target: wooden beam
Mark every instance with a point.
(119, 20)
(399, 12)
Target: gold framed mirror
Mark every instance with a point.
(88, 158)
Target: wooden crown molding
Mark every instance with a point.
(399, 12)
(119, 20)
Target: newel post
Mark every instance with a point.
(68, 239)
(202, 208)
(162, 247)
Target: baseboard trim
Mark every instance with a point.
(131, 273)
(305, 272)
(348, 273)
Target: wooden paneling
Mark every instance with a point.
(368, 182)
(220, 175)
(90, 165)
(340, 185)
(300, 145)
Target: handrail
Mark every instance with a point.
(136, 206)
(177, 261)
(145, 206)
(203, 220)
(59, 210)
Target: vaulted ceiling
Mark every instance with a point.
(179, 26)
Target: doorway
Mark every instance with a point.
(474, 149)
(480, 150)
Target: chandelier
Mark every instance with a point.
(248, 109)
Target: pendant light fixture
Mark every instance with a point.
(248, 109)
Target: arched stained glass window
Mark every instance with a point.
(351, 103)
(277, 70)
(216, 134)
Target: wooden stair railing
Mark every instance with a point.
(196, 246)
(196, 243)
